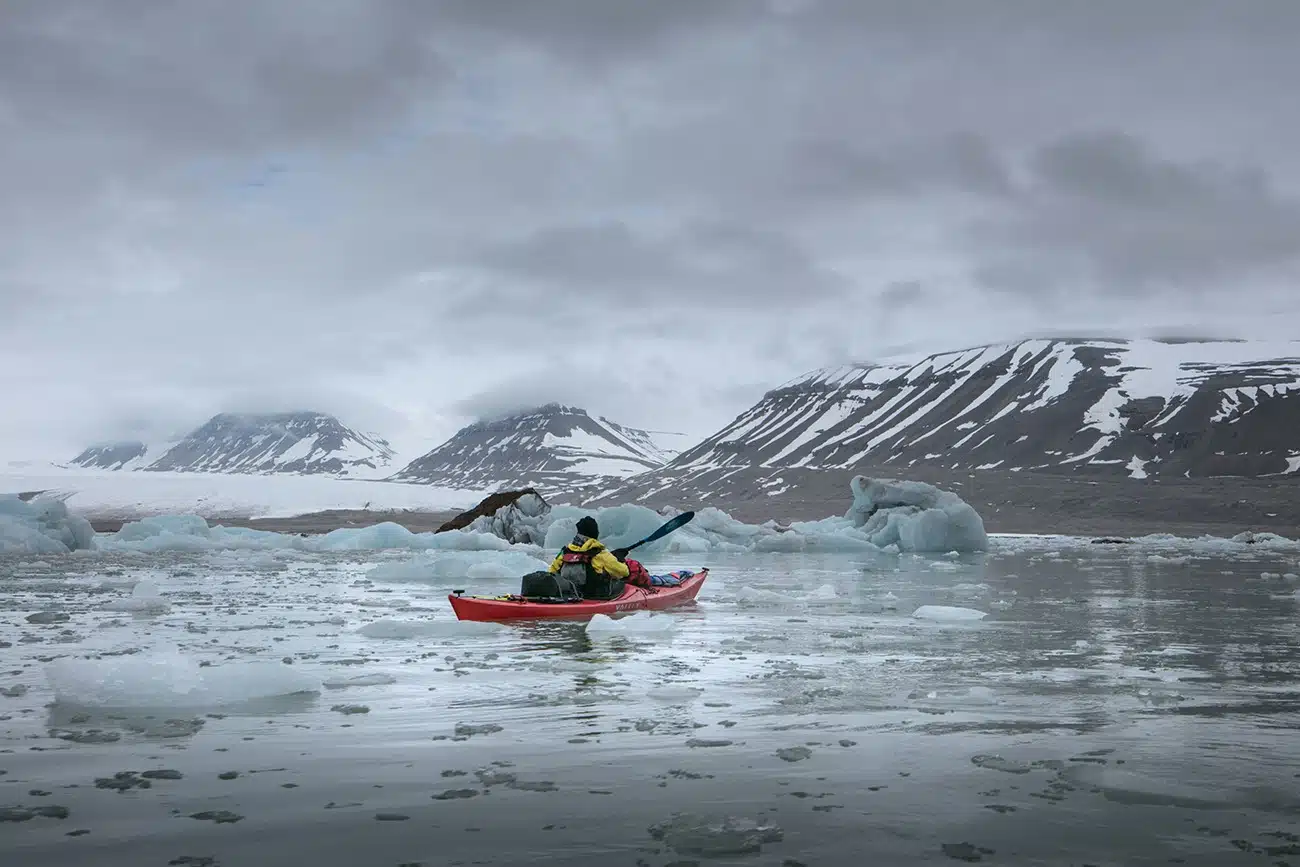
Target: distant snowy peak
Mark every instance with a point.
(124, 455)
(1141, 407)
(553, 446)
(305, 443)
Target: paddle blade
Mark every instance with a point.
(676, 523)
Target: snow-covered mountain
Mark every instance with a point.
(304, 443)
(553, 447)
(1145, 408)
(123, 455)
(126, 454)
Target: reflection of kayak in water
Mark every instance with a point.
(515, 607)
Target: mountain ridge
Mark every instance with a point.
(1145, 408)
(301, 442)
(553, 446)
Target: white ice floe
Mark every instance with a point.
(341, 682)
(144, 599)
(402, 629)
(170, 680)
(455, 565)
(674, 693)
(955, 697)
(637, 623)
(948, 613)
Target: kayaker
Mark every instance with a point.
(597, 572)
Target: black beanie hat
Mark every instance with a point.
(588, 527)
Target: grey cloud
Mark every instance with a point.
(593, 380)
(1105, 21)
(841, 169)
(566, 385)
(902, 294)
(586, 31)
(210, 77)
(409, 197)
(709, 263)
(1103, 210)
(583, 257)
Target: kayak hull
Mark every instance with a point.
(495, 608)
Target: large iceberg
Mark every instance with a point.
(915, 516)
(516, 516)
(42, 525)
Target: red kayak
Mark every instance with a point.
(632, 599)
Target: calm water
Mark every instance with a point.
(1120, 705)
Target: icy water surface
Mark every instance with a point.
(1119, 705)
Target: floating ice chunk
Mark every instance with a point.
(176, 525)
(42, 525)
(564, 665)
(191, 533)
(998, 763)
(428, 628)
(144, 599)
(260, 561)
(637, 623)
(415, 569)
(824, 593)
(674, 693)
(1268, 540)
(453, 565)
(915, 516)
(948, 613)
(378, 536)
(169, 680)
(713, 837)
(340, 682)
(978, 696)
(887, 601)
(758, 596)
(829, 535)
(1128, 787)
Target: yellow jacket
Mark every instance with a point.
(603, 562)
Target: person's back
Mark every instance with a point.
(585, 562)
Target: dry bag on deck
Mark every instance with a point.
(547, 585)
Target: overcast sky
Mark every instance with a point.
(410, 212)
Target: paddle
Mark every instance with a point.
(680, 521)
